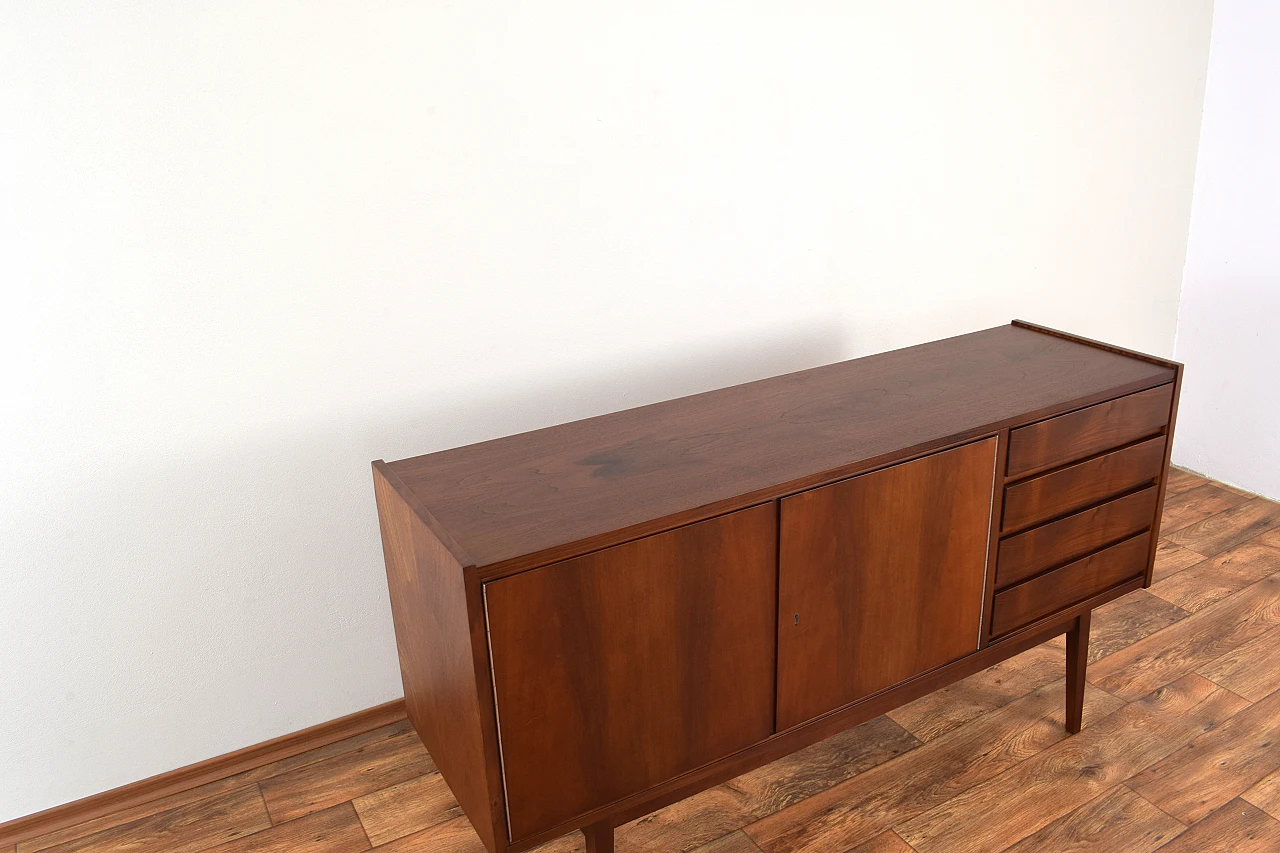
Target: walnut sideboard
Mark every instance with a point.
(597, 619)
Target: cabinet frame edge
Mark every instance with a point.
(457, 587)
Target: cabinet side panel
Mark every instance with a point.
(437, 664)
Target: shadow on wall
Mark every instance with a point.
(198, 601)
(466, 417)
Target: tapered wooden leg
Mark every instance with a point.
(599, 837)
(1077, 660)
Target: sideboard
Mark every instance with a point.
(597, 619)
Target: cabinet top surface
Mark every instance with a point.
(537, 493)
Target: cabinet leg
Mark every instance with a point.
(599, 837)
(1077, 660)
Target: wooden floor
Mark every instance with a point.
(1180, 750)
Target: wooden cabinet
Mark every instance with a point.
(598, 619)
(881, 578)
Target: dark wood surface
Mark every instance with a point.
(1065, 490)
(1022, 604)
(1088, 431)
(520, 501)
(1077, 660)
(626, 667)
(1164, 478)
(598, 838)
(1025, 554)
(993, 537)
(881, 578)
(438, 664)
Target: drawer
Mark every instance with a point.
(1070, 538)
(1083, 484)
(1056, 590)
(1075, 435)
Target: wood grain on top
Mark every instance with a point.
(550, 493)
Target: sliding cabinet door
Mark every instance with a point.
(881, 578)
(624, 668)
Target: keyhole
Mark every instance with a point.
(797, 618)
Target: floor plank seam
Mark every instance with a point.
(1258, 807)
(1232, 692)
(1185, 827)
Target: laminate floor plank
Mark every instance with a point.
(1265, 794)
(687, 824)
(1237, 827)
(856, 811)
(1116, 820)
(318, 785)
(817, 768)
(934, 715)
(1181, 480)
(1171, 559)
(1197, 504)
(1271, 537)
(1220, 576)
(248, 777)
(1168, 654)
(406, 808)
(1217, 766)
(720, 810)
(886, 842)
(455, 836)
(333, 830)
(1252, 671)
(1228, 528)
(735, 842)
(189, 828)
(1126, 620)
(1072, 772)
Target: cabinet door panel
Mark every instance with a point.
(881, 578)
(621, 669)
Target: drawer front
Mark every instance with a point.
(624, 668)
(1076, 435)
(1075, 487)
(1071, 538)
(1025, 603)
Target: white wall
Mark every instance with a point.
(248, 247)
(1229, 322)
